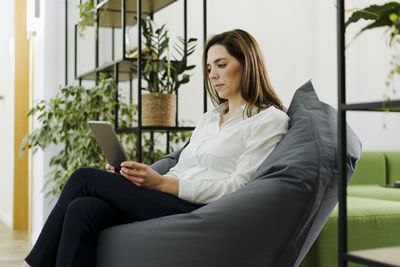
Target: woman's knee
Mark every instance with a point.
(89, 212)
(83, 172)
(80, 174)
(79, 209)
(76, 206)
(77, 219)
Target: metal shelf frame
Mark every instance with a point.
(344, 256)
(392, 106)
(121, 69)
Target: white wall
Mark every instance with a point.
(48, 76)
(7, 111)
(298, 39)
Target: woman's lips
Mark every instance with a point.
(217, 86)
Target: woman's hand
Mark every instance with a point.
(110, 168)
(141, 175)
(144, 176)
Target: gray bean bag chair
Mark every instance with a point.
(272, 221)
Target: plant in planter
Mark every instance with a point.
(385, 15)
(163, 75)
(63, 122)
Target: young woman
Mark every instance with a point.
(228, 145)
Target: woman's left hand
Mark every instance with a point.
(141, 175)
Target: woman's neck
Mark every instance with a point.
(235, 104)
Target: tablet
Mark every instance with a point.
(108, 142)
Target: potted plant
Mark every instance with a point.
(386, 15)
(163, 75)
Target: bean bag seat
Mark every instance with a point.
(272, 221)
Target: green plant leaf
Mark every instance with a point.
(156, 74)
(85, 15)
(379, 14)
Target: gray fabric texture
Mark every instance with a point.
(330, 196)
(272, 221)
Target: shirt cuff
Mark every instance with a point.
(186, 189)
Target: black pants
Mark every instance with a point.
(92, 200)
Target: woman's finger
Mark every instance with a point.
(132, 172)
(133, 165)
(137, 181)
(110, 168)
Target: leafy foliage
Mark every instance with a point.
(386, 15)
(177, 76)
(85, 15)
(156, 43)
(63, 122)
(161, 74)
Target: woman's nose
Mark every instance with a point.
(213, 74)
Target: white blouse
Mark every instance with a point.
(221, 159)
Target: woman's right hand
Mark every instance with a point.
(110, 168)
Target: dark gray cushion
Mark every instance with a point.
(269, 222)
(163, 165)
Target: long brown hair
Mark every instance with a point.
(255, 86)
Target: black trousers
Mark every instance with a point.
(91, 201)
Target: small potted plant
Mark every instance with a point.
(163, 75)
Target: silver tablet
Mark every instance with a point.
(108, 142)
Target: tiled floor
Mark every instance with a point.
(14, 246)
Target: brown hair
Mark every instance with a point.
(256, 88)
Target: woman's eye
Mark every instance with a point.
(208, 70)
(221, 65)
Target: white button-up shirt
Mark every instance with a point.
(221, 159)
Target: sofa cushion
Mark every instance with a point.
(371, 169)
(267, 222)
(374, 191)
(393, 166)
(372, 223)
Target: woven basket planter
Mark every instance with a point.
(159, 109)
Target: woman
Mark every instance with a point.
(228, 145)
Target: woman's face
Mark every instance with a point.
(224, 71)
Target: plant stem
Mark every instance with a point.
(168, 68)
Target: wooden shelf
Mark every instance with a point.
(127, 70)
(110, 11)
(389, 256)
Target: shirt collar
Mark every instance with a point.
(218, 110)
(221, 107)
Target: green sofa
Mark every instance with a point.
(373, 211)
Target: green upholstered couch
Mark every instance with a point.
(373, 211)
